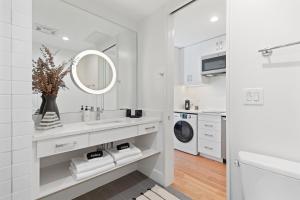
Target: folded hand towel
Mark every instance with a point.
(81, 164)
(129, 159)
(84, 175)
(118, 155)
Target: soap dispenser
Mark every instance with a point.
(86, 115)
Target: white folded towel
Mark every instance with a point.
(84, 175)
(81, 164)
(125, 153)
(129, 159)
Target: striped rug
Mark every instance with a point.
(157, 193)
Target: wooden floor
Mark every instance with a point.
(199, 178)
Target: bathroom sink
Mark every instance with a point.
(104, 122)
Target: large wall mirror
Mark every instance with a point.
(69, 30)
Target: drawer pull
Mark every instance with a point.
(209, 125)
(209, 135)
(209, 148)
(149, 128)
(73, 144)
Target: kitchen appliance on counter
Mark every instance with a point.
(187, 104)
(214, 64)
(186, 132)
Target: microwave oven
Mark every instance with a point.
(214, 64)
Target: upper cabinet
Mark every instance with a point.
(192, 63)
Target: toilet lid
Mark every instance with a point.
(273, 164)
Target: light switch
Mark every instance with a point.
(253, 96)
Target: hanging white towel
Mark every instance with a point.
(129, 159)
(125, 153)
(84, 175)
(81, 164)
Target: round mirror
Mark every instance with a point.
(93, 72)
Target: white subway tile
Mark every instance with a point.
(23, 195)
(5, 174)
(22, 60)
(21, 169)
(5, 101)
(5, 116)
(19, 46)
(5, 73)
(21, 87)
(5, 144)
(5, 58)
(5, 159)
(21, 183)
(5, 188)
(5, 45)
(20, 33)
(22, 155)
(23, 128)
(21, 142)
(20, 19)
(5, 130)
(22, 115)
(21, 74)
(21, 101)
(5, 30)
(24, 7)
(5, 11)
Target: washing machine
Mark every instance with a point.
(186, 132)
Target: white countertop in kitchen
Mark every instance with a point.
(206, 111)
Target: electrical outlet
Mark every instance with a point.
(254, 96)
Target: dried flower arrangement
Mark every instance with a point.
(47, 78)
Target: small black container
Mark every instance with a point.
(187, 104)
(138, 113)
(128, 112)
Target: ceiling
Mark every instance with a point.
(84, 30)
(192, 24)
(134, 10)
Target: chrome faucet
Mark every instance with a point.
(99, 111)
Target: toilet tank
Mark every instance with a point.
(269, 178)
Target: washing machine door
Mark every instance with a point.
(183, 131)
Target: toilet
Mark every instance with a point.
(269, 178)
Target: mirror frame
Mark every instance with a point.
(76, 79)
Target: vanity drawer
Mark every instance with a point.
(61, 145)
(210, 148)
(112, 135)
(148, 128)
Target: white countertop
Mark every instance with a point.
(84, 127)
(212, 112)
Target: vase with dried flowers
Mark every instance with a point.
(47, 79)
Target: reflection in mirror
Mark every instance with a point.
(69, 30)
(94, 72)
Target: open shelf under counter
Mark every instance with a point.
(58, 177)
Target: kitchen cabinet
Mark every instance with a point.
(192, 63)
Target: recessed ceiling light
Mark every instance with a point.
(214, 19)
(65, 38)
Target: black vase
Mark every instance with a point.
(50, 105)
(42, 104)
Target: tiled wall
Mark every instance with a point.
(16, 126)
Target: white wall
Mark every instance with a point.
(273, 128)
(211, 96)
(155, 84)
(15, 100)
